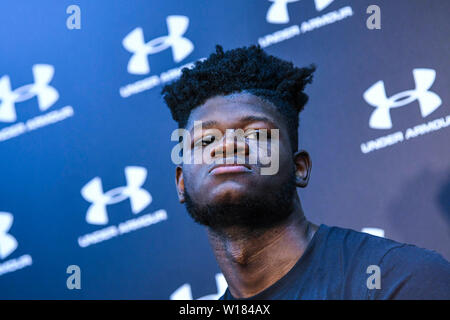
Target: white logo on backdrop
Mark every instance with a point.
(185, 292)
(278, 11)
(322, 4)
(374, 231)
(139, 197)
(46, 95)
(181, 47)
(7, 242)
(376, 96)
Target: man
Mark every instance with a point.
(256, 226)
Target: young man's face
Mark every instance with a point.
(239, 194)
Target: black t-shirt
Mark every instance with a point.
(335, 266)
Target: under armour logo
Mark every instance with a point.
(93, 192)
(322, 4)
(376, 96)
(7, 242)
(46, 95)
(278, 12)
(181, 46)
(185, 292)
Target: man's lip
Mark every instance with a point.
(229, 168)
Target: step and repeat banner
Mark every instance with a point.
(88, 206)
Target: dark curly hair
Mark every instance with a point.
(246, 69)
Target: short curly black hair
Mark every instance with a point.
(246, 69)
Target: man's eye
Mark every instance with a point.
(204, 141)
(257, 134)
(253, 135)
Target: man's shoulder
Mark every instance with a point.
(351, 242)
(416, 273)
(387, 251)
(407, 271)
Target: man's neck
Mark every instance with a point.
(251, 261)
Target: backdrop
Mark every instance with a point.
(86, 177)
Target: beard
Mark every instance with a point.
(250, 211)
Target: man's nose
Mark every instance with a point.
(231, 144)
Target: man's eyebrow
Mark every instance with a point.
(213, 123)
(258, 118)
(206, 124)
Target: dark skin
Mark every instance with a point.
(250, 259)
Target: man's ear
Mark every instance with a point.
(179, 181)
(303, 165)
